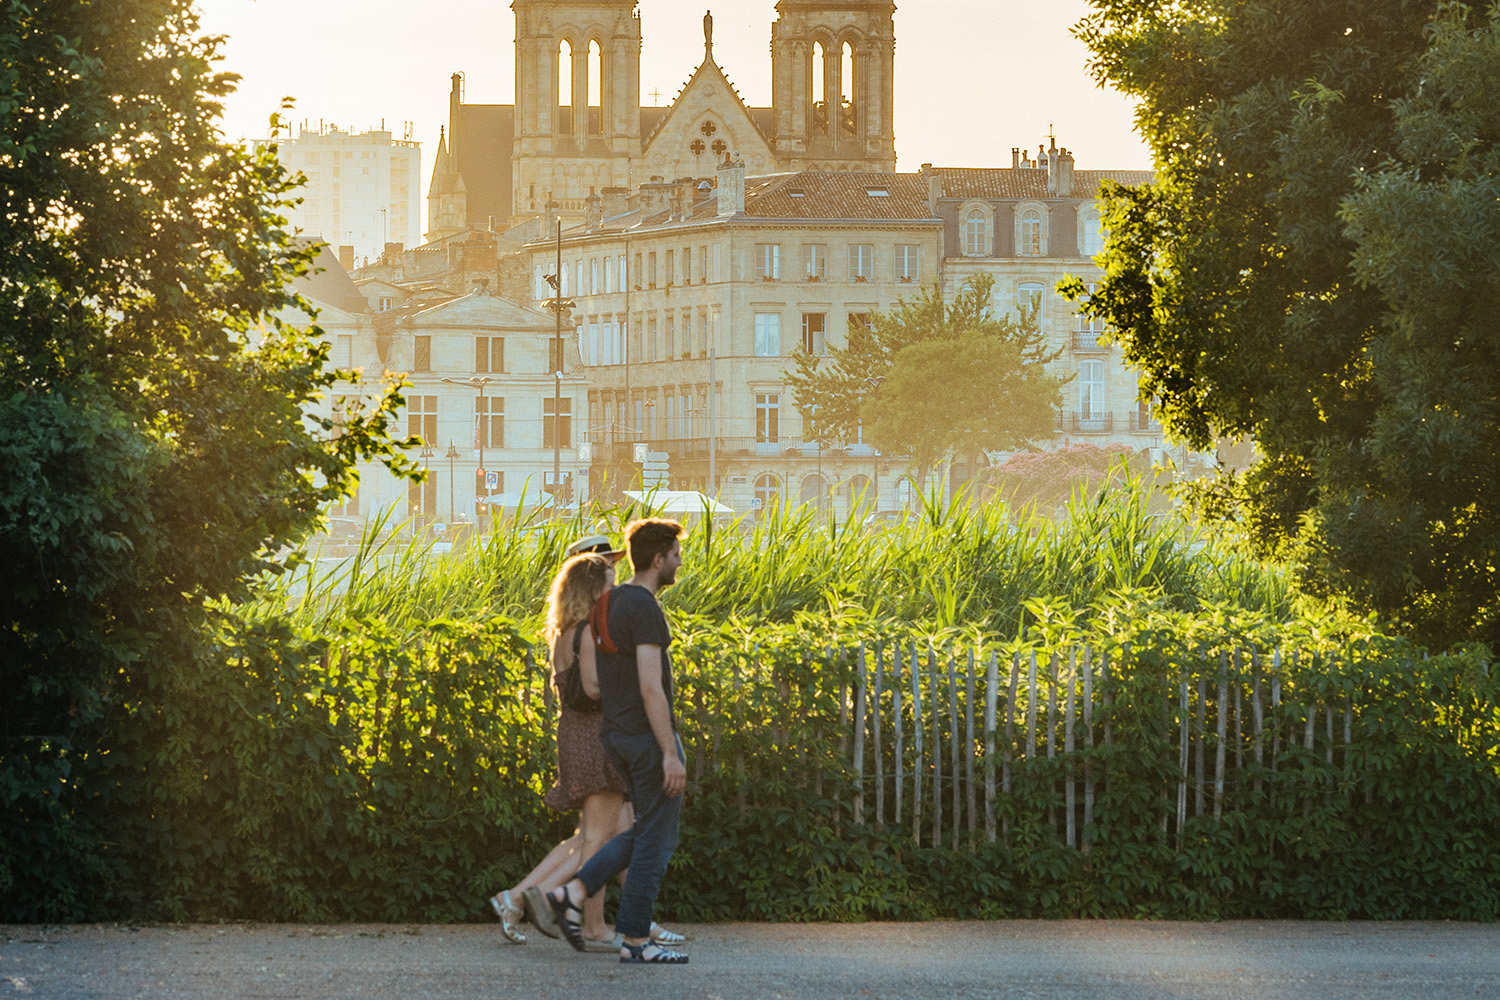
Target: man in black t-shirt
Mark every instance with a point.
(640, 734)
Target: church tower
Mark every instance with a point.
(578, 103)
(833, 82)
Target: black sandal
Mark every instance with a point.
(635, 954)
(569, 918)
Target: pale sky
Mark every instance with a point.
(973, 77)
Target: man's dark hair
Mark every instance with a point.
(648, 538)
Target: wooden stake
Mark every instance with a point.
(1182, 763)
(879, 747)
(1070, 792)
(970, 792)
(991, 682)
(1088, 743)
(1221, 715)
(859, 739)
(937, 747)
(918, 724)
(899, 757)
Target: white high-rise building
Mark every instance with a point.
(363, 188)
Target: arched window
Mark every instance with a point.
(846, 87)
(976, 233)
(819, 65)
(859, 492)
(767, 494)
(1030, 244)
(595, 121)
(1092, 240)
(565, 86)
(814, 489)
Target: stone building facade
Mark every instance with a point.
(578, 126)
(690, 297)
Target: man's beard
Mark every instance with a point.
(667, 578)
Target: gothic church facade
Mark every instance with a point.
(578, 126)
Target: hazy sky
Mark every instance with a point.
(973, 77)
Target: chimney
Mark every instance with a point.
(682, 198)
(934, 186)
(615, 201)
(1015, 157)
(346, 257)
(593, 211)
(1065, 174)
(393, 249)
(732, 187)
(656, 197)
(549, 216)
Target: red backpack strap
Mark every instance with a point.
(599, 622)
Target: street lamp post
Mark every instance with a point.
(479, 434)
(452, 454)
(875, 382)
(427, 455)
(822, 487)
(558, 305)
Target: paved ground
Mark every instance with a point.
(1119, 960)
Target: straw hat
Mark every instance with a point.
(598, 544)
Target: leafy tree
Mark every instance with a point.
(933, 380)
(156, 445)
(1315, 266)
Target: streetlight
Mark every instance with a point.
(875, 382)
(479, 436)
(822, 487)
(558, 305)
(426, 456)
(452, 454)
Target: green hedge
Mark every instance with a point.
(373, 773)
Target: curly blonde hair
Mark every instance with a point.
(574, 590)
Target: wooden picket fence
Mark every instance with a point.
(935, 741)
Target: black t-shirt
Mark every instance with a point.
(635, 619)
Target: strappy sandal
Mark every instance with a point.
(569, 917)
(635, 954)
(666, 938)
(540, 913)
(510, 915)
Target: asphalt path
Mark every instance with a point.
(1119, 960)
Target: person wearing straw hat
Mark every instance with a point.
(634, 667)
(598, 544)
(586, 780)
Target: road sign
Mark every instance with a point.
(492, 481)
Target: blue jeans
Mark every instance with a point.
(647, 846)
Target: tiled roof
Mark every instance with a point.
(1014, 183)
(836, 195)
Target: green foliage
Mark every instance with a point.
(931, 380)
(152, 395)
(1314, 267)
(371, 773)
(380, 754)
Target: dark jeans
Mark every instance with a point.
(648, 845)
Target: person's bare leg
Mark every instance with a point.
(557, 867)
(598, 821)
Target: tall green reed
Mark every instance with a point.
(960, 564)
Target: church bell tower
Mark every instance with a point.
(833, 82)
(577, 117)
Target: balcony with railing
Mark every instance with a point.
(1090, 422)
(1087, 342)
